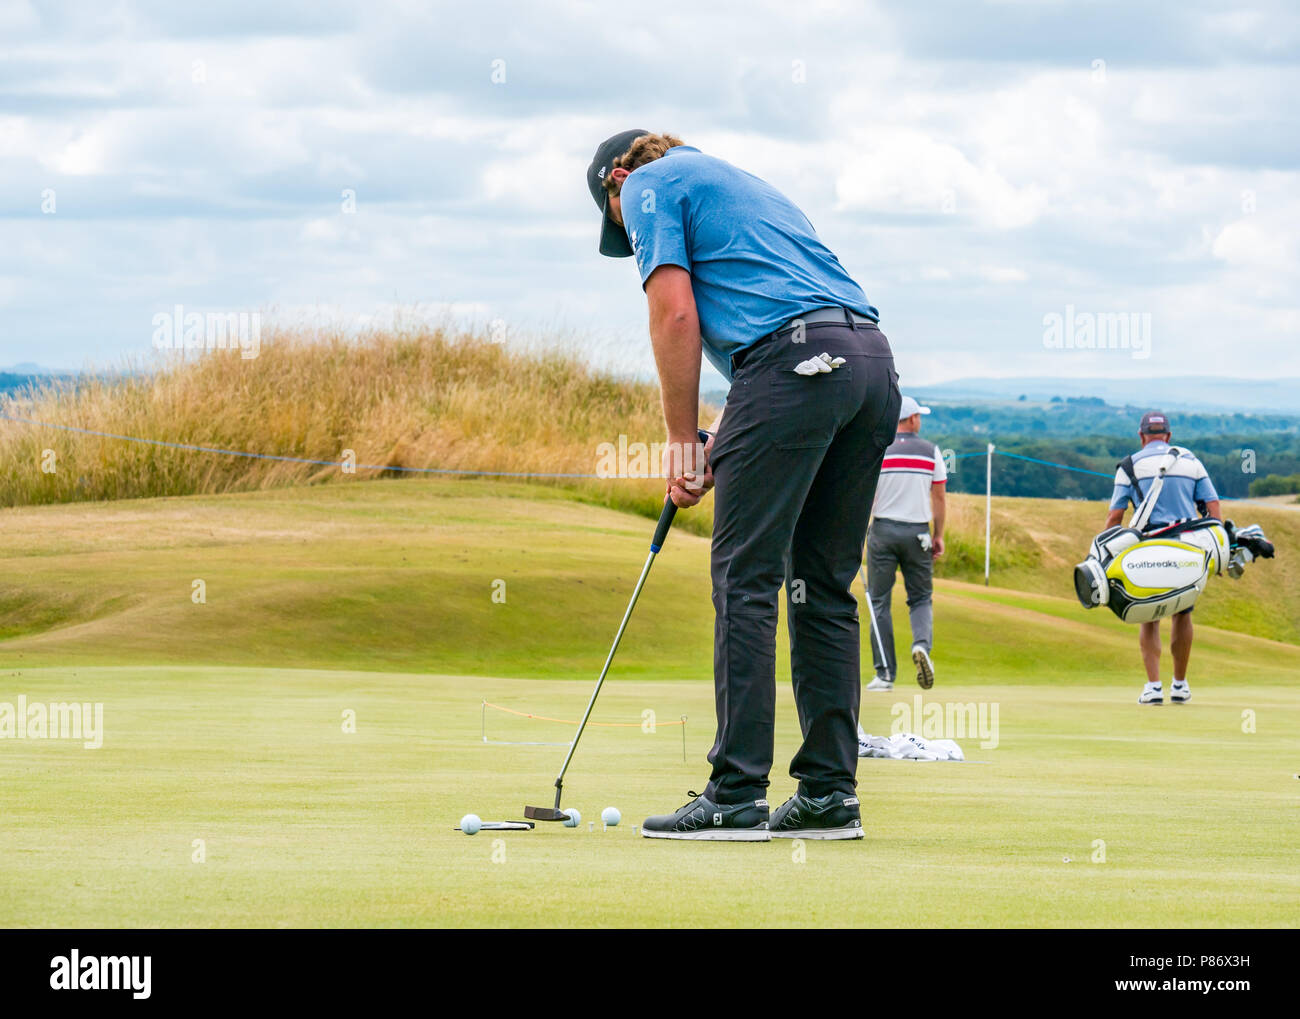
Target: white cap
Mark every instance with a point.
(910, 407)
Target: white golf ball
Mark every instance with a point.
(572, 817)
(470, 824)
(611, 816)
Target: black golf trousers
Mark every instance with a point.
(795, 464)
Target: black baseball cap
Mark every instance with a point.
(1154, 423)
(613, 238)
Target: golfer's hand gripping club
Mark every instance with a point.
(689, 473)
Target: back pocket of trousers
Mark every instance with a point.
(804, 410)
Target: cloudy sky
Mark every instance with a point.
(978, 167)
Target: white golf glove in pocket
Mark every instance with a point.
(818, 365)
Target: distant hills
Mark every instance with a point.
(18, 376)
(1198, 392)
(1191, 392)
(28, 368)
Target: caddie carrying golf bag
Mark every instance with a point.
(1147, 575)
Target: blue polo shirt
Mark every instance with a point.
(755, 260)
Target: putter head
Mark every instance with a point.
(545, 814)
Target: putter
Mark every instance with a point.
(503, 826)
(656, 543)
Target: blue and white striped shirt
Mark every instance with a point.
(1186, 483)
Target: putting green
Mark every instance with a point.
(226, 791)
(302, 823)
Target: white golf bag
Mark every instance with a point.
(1143, 576)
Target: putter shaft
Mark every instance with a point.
(636, 593)
(656, 543)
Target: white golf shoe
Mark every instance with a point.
(1152, 693)
(880, 683)
(1180, 693)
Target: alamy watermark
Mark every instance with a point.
(1099, 330)
(627, 459)
(77, 972)
(56, 720)
(214, 330)
(949, 720)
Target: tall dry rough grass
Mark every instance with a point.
(426, 397)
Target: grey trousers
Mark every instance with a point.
(795, 463)
(891, 545)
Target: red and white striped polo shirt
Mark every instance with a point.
(912, 466)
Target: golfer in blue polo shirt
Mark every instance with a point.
(733, 271)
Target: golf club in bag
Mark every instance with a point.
(656, 543)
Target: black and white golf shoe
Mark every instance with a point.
(708, 821)
(834, 816)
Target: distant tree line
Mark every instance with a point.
(1275, 484)
(1089, 434)
(1085, 415)
(1270, 461)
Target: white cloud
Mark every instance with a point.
(1003, 274)
(971, 180)
(1252, 242)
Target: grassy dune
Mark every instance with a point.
(1040, 540)
(407, 399)
(401, 574)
